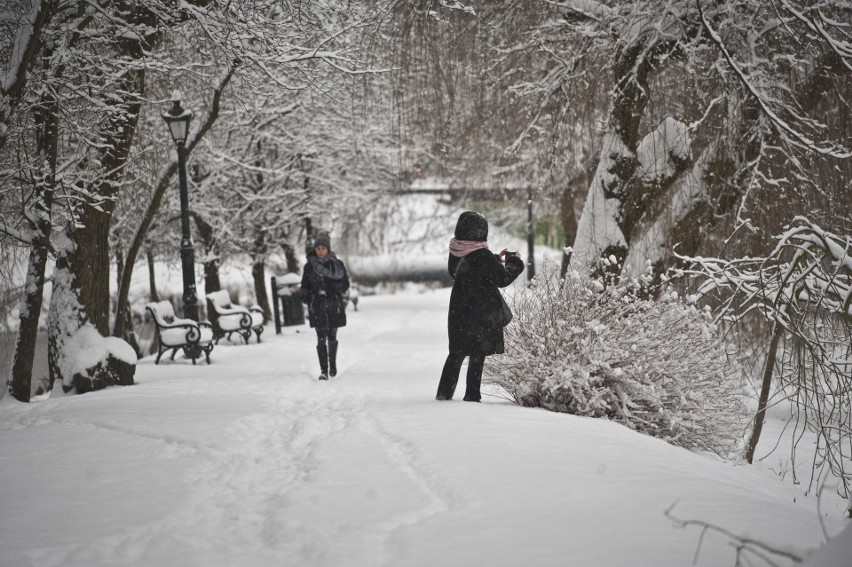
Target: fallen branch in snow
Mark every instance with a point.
(743, 544)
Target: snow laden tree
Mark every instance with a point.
(453, 124)
(27, 177)
(280, 160)
(151, 183)
(657, 366)
(78, 110)
(245, 192)
(250, 152)
(95, 67)
(803, 289)
(721, 116)
(21, 24)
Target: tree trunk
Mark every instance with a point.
(47, 136)
(258, 272)
(80, 302)
(20, 383)
(617, 198)
(764, 392)
(599, 231)
(80, 297)
(129, 331)
(152, 283)
(568, 217)
(292, 261)
(209, 243)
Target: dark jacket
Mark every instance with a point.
(474, 321)
(324, 296)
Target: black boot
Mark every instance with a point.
(332, 357)
(474, 378)
(322, 352)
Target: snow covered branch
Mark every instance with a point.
(786, 129)
(803, 288)
(21, 44)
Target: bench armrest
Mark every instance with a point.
(242, 318)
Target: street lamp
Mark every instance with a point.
(178, 119)
(530, 237)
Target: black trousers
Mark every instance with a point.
(450, 377)
(323, 334)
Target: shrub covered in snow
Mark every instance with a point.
(656, 366)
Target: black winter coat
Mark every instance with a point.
(474, 321)
(324, 297)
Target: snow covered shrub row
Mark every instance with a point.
(656, 366)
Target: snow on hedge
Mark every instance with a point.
(656, 366)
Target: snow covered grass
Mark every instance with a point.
(251, 461)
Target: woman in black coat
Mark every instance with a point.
(324, 281)
(475, 321)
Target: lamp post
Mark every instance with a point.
(178, 119)
(530, 238)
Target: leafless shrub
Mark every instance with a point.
(657, 366)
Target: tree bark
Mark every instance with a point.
(258, 272)
(20, 382)
(209, 242)
(615, 200)
(47, 144)
(129, 331)
(152, 282)
(568, 216)
(764, 393)
(290, 256)
(80, 296)
(80, 301)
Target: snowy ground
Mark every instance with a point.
(252, 462)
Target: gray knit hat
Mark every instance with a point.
(323, 239)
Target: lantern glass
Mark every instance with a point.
(306, 162)
(178, 119)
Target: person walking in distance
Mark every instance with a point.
(324, 281)
(476, 316)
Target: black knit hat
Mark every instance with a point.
(472, 226)
(323, 239)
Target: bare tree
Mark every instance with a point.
(803, 288)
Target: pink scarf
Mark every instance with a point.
(461, 248)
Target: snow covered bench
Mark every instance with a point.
(194, 338)
(228, 319)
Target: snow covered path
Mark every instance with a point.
(251, 461)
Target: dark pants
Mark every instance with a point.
(450, 377)
(327, 350)
(323, 334)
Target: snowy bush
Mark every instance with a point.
(656, 366)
